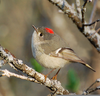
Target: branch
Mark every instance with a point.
(86, 30)
(53, 85)
(67, 9)
(9, 74)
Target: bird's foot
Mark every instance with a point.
(45, 76)
(54, 77)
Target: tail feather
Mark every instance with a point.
(85, 64)
(88, 66)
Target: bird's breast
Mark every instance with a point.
(51, 62)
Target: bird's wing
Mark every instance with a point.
(70, 55)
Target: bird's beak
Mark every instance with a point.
(35, 28)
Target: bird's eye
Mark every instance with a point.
(41, 34)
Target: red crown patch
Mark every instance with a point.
(49, 30)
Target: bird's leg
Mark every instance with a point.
(49, 73)
(55, 76)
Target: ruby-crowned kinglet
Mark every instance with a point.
(51, 51)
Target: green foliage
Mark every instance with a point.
(73, 81)
(36, 66)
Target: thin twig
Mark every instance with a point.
(93, 90)
(90, 89)
(94, 33)
(9, 74)
(92, 23)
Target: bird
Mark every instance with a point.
(50, 50)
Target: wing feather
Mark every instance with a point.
(70, 55)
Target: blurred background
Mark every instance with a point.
(16, 20)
